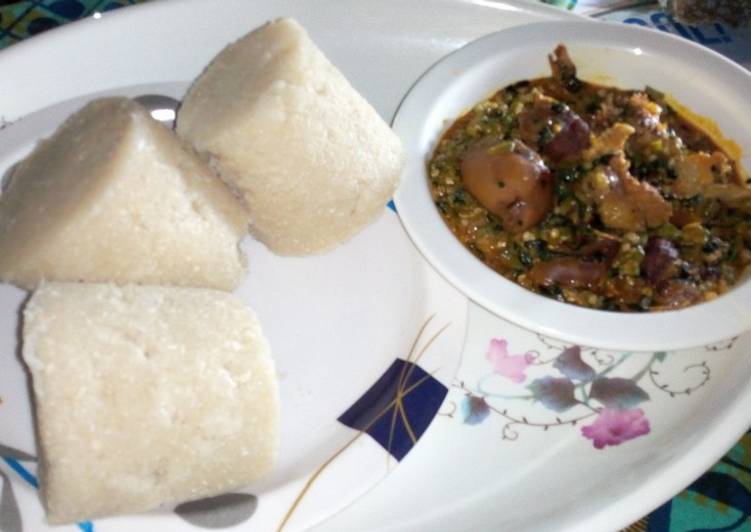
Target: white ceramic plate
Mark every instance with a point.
(495, 460)
(460, 476)
(337, 323)
(626, 56)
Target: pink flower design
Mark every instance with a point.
(513, 367)
(614, 426)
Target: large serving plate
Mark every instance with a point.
(502, 456)
(340, 322)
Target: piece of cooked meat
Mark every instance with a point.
(510, 180)
(568, 271)
(611, 140)
(623, 202)
(564, 69)
(553, 129)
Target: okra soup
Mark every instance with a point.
(593, 195)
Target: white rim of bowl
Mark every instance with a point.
(725, 317)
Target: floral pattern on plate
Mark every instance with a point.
(600, 393)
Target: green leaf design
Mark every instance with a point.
(474, 409)
(617, 392)
(660, 356)
(556, 394)
(570, 363)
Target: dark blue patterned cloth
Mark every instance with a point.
(19, 20)
(398, 408)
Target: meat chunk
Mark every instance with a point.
(623, 202)
(609, 111)
(510, 180)
(644, 115)
(571, 139)
(554, 128)
(604, 249)
(534, 118)
(693, 174)
(731, 194)
(660, 256)
(587, 270)
(675, 293)
(698, 170)
(568, 271)
(712, 176)
(563, 69)
(611, 140)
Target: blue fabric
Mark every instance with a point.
(20, 20)
(398, 408)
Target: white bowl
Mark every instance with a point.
(610, 53)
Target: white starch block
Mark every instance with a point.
(146, 396)
(313, 160)
(114, 196)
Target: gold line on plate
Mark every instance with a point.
(395, 403)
